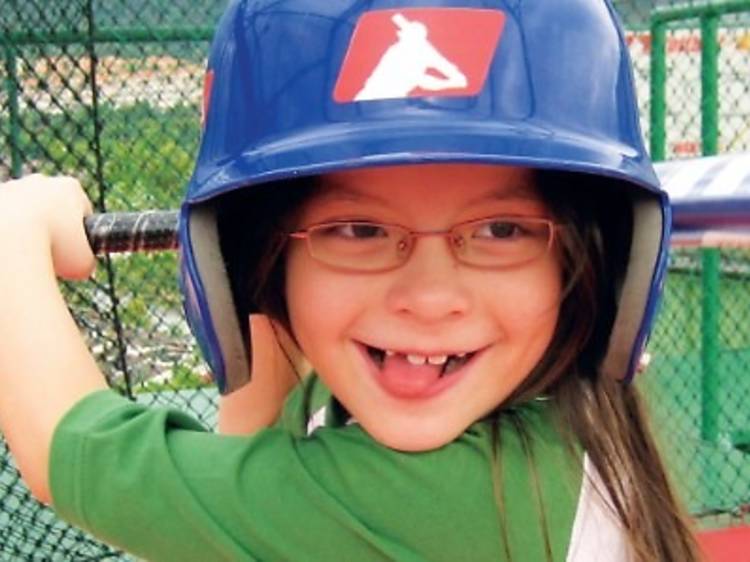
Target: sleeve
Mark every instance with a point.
(154, 483)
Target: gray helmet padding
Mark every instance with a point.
(209, 261)
(636, 285)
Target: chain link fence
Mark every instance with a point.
(697, 383)
(110, 92)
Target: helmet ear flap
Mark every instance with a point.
(232, 267)
(640, 287)
(223, 330)
(623, 231)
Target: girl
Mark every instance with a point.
(470, 271)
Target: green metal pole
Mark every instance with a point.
(710, 84)
(710, 345)
(110, 35)
(14, 132)
(687, 11)
(710, 407)
(658, 136)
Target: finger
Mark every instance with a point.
(71, 253)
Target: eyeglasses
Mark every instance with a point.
(489, 243)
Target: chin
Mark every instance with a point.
(413, 440)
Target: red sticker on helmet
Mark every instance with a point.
(208, 84)
(418, 52)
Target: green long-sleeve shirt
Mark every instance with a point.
(155, 483)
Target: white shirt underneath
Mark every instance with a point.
(598, 535)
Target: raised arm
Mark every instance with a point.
(45, 366)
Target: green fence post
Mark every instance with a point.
(658, 136)
(710, 84)
(14, 132)
(710, 257)
(710, 345)
(112, 35)
(710, 406)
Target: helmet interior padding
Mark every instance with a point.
(211, 266)
(636, 287)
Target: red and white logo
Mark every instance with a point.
(208, 86)
(417, 52)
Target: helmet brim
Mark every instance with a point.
(334, 148)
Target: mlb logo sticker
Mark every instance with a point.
(418, 52)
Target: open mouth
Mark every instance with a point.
(447, 364)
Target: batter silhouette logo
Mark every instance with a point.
(418, 52)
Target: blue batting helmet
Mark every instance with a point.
(302, 87)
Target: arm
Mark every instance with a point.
(275, 372)
(452, 77)
(45, 366)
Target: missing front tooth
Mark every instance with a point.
(454, 363)
(377, 355)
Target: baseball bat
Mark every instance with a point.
(112, 233)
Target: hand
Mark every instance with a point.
(47, 212)
(275, 351)
(45, 367)
(277, 366)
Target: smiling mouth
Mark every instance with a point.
(447, 364)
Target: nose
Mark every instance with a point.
(430, 286)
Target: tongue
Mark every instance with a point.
(404, 380)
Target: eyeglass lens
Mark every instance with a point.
(490, 243)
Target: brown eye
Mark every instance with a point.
(355, 230)
(498, 229)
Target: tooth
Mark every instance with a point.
(437, 359)
(461, 355)
(416, 359)
(390, 353)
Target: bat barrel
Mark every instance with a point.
(401, 22)
(143, 231)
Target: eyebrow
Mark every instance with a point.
(521, 191)
(342, 193)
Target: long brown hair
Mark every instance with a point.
(602, 416)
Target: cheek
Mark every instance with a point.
(322, 303)
(527, 302)
(530, 293)
(302, 301)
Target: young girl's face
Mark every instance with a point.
(418, 351)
